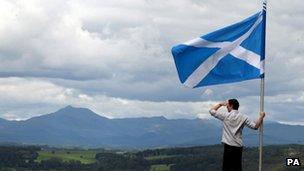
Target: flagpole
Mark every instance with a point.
(262, 90)
(261, 127)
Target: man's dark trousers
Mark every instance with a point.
(232, 159)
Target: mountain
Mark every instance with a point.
(3, 121)
(72, 126)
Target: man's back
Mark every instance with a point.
(233, 124)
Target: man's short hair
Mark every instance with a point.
(234, 103)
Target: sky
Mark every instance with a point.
(114, 57)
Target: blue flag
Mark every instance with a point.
(234, 53)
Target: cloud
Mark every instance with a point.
(34, 95)
(27, 97)
(120, 50)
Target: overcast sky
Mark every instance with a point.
(114, 57)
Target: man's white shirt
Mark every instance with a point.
(233, 124)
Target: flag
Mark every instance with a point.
(231, 54)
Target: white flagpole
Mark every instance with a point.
(261, 127)
(262, 93)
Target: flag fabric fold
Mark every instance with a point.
(231, 54)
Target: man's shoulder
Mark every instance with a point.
(241, 114)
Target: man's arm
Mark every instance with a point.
(255, 125)
(259, 122)
(213, 111)
(216, 107)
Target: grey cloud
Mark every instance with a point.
(121, 49)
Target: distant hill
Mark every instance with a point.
(72, 126)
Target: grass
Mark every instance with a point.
(160, 167)
(84, 156)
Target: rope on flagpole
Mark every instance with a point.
(262, 90)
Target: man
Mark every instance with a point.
(233, 124)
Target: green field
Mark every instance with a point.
(160, 167)
(84, 156)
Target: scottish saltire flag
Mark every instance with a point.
(234, 53)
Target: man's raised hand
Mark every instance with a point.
(224, 103)
(262, 114)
